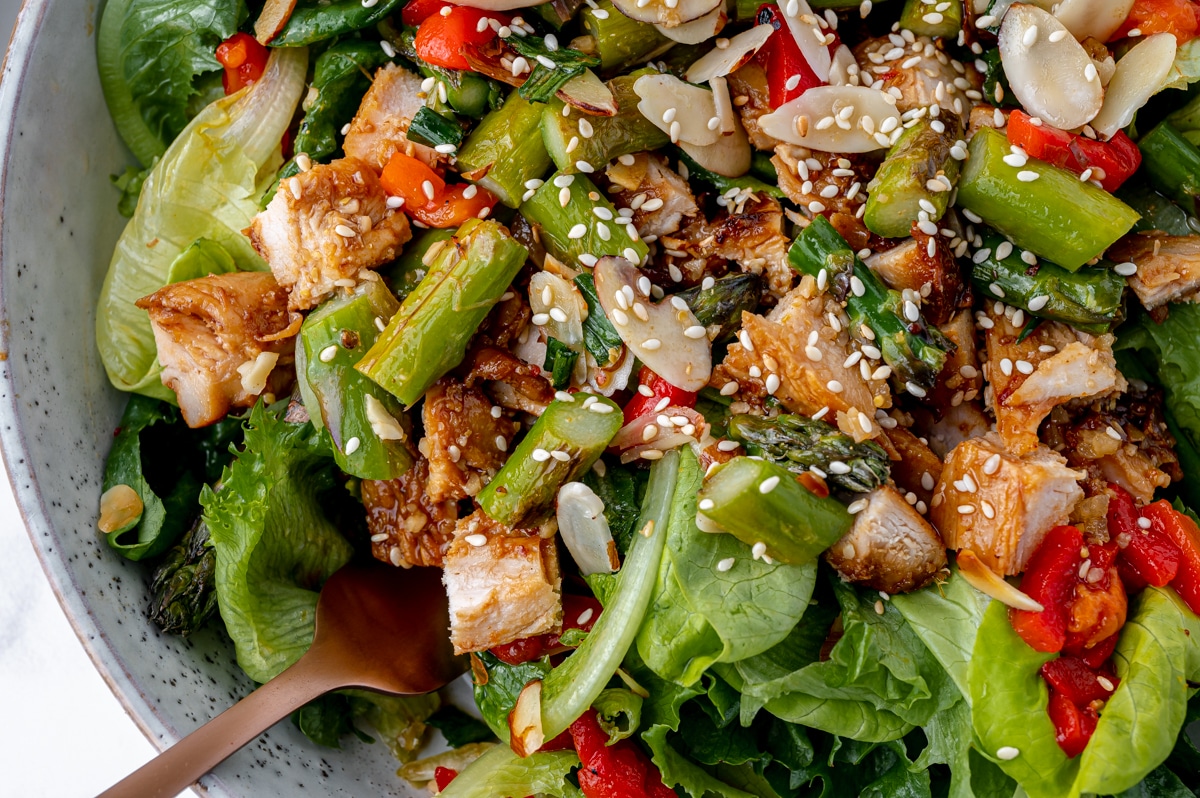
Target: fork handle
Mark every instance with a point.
(181, 765)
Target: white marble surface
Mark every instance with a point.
(64, 734)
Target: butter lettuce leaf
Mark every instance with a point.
(206, 186)
(275, 546)
(946, 616)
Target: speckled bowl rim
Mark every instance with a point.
(15, 451)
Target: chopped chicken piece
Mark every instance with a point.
(512, 382)
(750, 81)
(781, 348)
(407, 527)
(219, 338)
(890, 547)
(937, 280)
(380, 128)
(918, 467)
(961, 379)
(502, 585)
(1053, 365)
(650, 181)
(324, 227)
(464, 441)
(751, 235)
(933, 78)
(804, 174)
(956, 424)
(985, 116)
(1168, 267)
(1000, 505)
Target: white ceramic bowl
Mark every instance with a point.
(58, 225)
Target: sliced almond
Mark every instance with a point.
(1098, 19)
(724, 106)
(698, 30)
(671, 13)
(805, 30)
(501, 5)
(811, 120)
(1138, 76)
(273, 19)
(589, 94)
(678, 109)
(730, 156)
(560, 302)
(1048, 77)
(843, 67)
(525, 721)
(120, 507)
(718, 63)
(584, 529)
(988, 582)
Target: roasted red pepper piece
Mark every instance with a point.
(1148, 553)
(782, 60)
(415, 11)
(244, 60)
(1078, 681)
(442, 36)
(1181, 531)
(1073, 726)
(1112, 162)
(579, 612)
(656, 389)
(620, 770)
(1050, 580)
(1180, 17)
(1096, 656)
(1099, 608)
(443, 776)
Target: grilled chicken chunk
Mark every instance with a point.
(957, 424)
(936, 279)
(804, 174)
(782, 346)
(324, 227)
(934, 78)
(1055, 364)
(1168, 267)
(219, 339)
(1000, 505)
(890, 547)
(512, 382)
(915, 468)
(380, 128)
(407, 527)
(961, 379)
(502, 584)
(649, 181)
(750, 82)
(464, 441)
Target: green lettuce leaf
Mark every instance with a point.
(498, 695)
(275, 546)
(1186, 68)
(341, 76)
(149, 53)
(459, 728)
(701, 615)
(326, 720)
(205, 186)
(619, 713)
(946, 616)
(679, 771)
(397, 720)
(501, 772)
(313, 21)
(1159, 783)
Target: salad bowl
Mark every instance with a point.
(58, 413)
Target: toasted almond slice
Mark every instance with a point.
(698, 30)
(120, 506)
(810, 120)
(272, 20)
(584, 529)
(1048, 77)
(1098, 19)
(988, 582)
(730, 156)
(673, 105)
(525, 721)
(1138, 76)
(587, 93)
(718, 63)
(501, 5)
(661, 12)
(805, 30)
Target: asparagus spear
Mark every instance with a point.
(1091, 299)
(506, 150)
(799, 443)
(560, 447)
(918, 174)
(183, 588)
(428, 336)
(1041, 208)
(406, 272)
(924, 18)
(608, 136)
(722, 305)
(432, 129)
(914, 350)
(362, 418)
(619, 40)
(761, 502)
(1173, 165)
(584, 228)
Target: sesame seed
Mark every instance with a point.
(706, 504)
(856, 285)
(585, 167)
(915, 390)
(857, 506)
(1024, 366)
(540, 455)
(1027, 176)
(696, 332)
(1143, 523)
(328, 353)
(476, 540)
(725, 565)
(834, 386)
(600, 408)
(767, 485)
(577, 232)
(989, 511)
(651, 344)
(1127, 269)
(1038, 302)
(772, 384)
(345, 231)
(1007, 753)
(1112, 433)
(966, 509)
(352, 446)
(560, 456)
(996, 289)
(991, 465)
(662, 404)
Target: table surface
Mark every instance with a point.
(64, 733)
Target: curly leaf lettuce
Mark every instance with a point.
(149, 54)
(275, 547)
(205, 186)
(701, 615)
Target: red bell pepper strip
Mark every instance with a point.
(1111, 162)
(1078, 681)
(244, 60)
(1073, 725)
(782, 59)
(652, 389)
(428, 199)
(442, 36)
(1050, 580)
(1183, 532)
(579, 612)
(1180, 17)
(1093, 657)
(443, 776)
(1152, 558)
(620, 770)
(416, 11)
(1099, 609)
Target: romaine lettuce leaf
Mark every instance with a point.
(316, 20)
(149, 53)
(501, 772)
(205, 186)
(275, 546)
(701, 615)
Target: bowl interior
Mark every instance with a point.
(58, 413)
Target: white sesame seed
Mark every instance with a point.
(352, 446)
(991, 465)
(1024, 366)
(328, 353)
(767, 485)
(729, 388)
(540, 455)
(662, 404)
(651, 344)
(725, 565)
(857, 506)
(476, 540)
(706, 504)
(577, 232)
(1038, 302)
(1127, 269)
(1007, 753)
(1027, 176)
(1144, 523)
